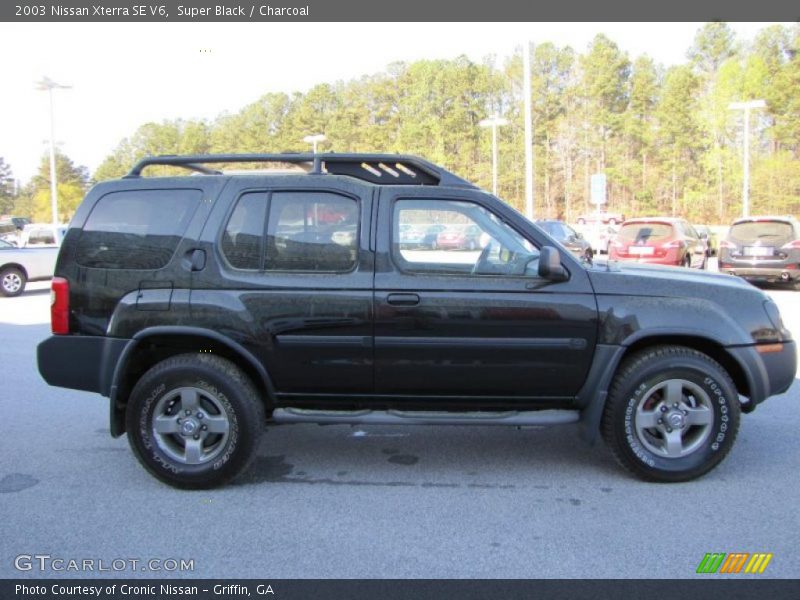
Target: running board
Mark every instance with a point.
(402, 417)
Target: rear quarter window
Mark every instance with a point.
(136, 229)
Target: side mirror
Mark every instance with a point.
(550, 264)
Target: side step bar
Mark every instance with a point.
(401, 417)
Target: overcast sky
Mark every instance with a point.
(125, 74)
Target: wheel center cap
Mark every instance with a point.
(676, 420)
(189, 426)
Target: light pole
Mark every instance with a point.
(47, 84)
(314, 140)
(494, 122)
(746, 107)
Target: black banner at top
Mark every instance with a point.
(54, 11)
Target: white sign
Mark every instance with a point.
(599, 188)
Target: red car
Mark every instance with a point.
(468, 238)
(659, 240)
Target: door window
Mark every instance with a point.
(460, 238)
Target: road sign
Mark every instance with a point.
(599, 188)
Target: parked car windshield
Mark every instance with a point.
(771, 232)
(645, 232)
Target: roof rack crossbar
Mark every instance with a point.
(403, 169)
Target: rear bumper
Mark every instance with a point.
(769, 373)
(80, 362)
(773, 273)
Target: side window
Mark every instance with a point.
(459, 238)
(137, 229)
(311, 231)
(41, 237)
(243, 239)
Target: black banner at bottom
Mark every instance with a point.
(394, 589)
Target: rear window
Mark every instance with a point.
(767, 232)
(645, 232)
(136, 229)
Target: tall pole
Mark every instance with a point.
(526, 85)
(494, 122)
(746, 107)
(746, 178)
(53, 184)
(49, 85)
(494, 156)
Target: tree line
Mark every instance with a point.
(664, 136)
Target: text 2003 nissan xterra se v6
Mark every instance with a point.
(205, 307)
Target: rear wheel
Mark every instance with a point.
(672, 414)
(194, 421)
(12, 282)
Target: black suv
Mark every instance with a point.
(206, 307)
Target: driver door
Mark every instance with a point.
(468, 317)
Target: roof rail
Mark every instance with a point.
(385, 169)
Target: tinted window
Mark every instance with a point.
(242, 241)
(644, 233)
(773, 233)
(136, 229)
(454, 237)
(311, 231)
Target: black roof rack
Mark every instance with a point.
(386, 169)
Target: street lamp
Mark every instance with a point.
(746, 107)
(494, 122)
(48, 85)
(314, 140)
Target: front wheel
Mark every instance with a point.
(194, 420)
(672, 414)
(12, 282)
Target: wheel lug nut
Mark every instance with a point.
(197, 437)
(675, 405)
(204, 427)
(661, 420)
(179, 420)
(188, 412)
(686, 412)
(669, 429)
(663, 409)
(200, 415)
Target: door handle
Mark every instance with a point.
(403, 299)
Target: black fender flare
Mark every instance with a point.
(117, 416)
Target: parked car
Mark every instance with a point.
(602, 216)
(460, 238)
(568, 237)
(598, 235)
(660, 241)
(431, 238)
(763, 249)
(412, 236)
(709, 237)
(18, 266)
(201, 328)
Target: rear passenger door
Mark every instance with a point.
(291, 280)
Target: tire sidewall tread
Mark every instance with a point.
(230, 386)
(634, 377)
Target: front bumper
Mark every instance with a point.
(768, 373)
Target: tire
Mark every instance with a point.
(703, 392)
(12, 282)
(220, 398)
(687, 261)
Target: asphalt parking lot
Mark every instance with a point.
(380, 501)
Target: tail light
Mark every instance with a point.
(59, 306)
(727, 244)
(673, 244)
(793, 245)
